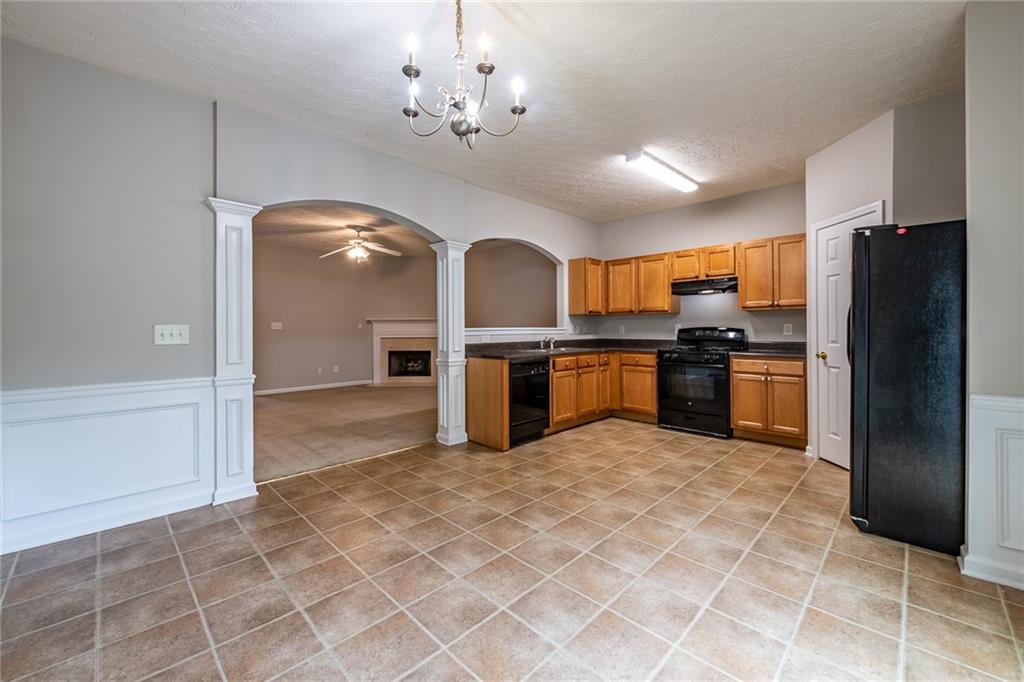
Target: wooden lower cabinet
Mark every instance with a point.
(587, 392)
(769, 398)
(563, 396)
(639, 389)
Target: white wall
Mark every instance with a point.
(105, 230)
(765, 213)
(854, 171)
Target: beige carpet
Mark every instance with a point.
(297, 432)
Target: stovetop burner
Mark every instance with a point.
(705, 345)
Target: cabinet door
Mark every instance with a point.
(563, 396)
(595, 286)
(586, 391)
(604, 388)
(790, 285)
(718, 261)
(756, 278)
(621, 278)
(787, 405)
(686, 265)
(749, 401)
(653, 285)
(639, 389)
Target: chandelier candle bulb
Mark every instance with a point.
(517, 87)
(414, 89)
(485, 48)
(410, 46)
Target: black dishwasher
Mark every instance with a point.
(528, 400)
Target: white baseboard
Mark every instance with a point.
(313, 387)
(457, 439)
(86, 458)
(995, 490)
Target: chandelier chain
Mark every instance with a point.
(458, 23)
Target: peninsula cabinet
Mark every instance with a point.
(586, 286)
(772, 273)
(621, 278)
(769, 399)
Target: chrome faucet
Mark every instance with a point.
(548, 341)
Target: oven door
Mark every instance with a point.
(702, 389)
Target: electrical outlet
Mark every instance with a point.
(622, 329)
(276, 325)
(319, 370)
(335, 369)
(170, 334)
(787, 329)
(359, 325)
(678, 327)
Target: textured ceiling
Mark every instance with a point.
(325, 228)
(736, 94)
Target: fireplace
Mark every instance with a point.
(409, 363)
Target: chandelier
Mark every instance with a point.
(458, 108)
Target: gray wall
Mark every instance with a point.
(323, 307)
(929, 177)
(104, 227)
(509, 284)
(765, 213)
(995, 208)
(852, 172)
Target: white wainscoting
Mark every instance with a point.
(87, 458)
(995, 490)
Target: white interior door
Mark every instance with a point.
(833, 287)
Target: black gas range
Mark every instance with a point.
(693, 380)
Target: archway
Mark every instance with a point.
(234, 378)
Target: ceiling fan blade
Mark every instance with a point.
(381, 249)
(331, 253)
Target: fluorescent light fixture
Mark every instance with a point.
(659, 170)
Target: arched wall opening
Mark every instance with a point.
(511, 284)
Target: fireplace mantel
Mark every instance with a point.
(399, 328)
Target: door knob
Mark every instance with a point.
(821, 355)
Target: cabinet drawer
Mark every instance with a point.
(586, 361)
(566, 362)
(640, 359)
(766, 365)
(604, 359)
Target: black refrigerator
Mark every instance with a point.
(906, 343)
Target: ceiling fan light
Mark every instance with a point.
(359, 253)
(654, 167)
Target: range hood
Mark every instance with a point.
(699, 287)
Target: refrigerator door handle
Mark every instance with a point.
(849, 334)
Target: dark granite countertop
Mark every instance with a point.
(528, 350)
(791, 349)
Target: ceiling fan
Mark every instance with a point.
(359, 249)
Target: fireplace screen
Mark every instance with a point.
(408, 363)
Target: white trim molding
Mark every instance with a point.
(870, 214)
(995, 490)
(451, 342)
(233, 377)
(82, 459)
(314, 387)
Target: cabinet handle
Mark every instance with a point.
(768, 378)
(766, 368)
(763, 379)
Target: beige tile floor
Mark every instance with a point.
(307, 430)
(614, 551)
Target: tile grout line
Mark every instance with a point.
(195, 600)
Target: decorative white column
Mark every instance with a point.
(233, 377)
(451, 342)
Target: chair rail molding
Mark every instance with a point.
(233, 378)
(995, 479)
(451, 342)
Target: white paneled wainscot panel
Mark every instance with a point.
(995, 490)
(82, 459)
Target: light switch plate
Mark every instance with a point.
(170, 334)
(787, 329)
(276, 325)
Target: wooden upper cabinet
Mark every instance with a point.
(790, 258)
(586, 286)
(755, 274)
(718, 261)
(621, 277)
(654, 285)
(686, 265)
(772, 273)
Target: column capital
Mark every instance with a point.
(449, 246)
(236, 207)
